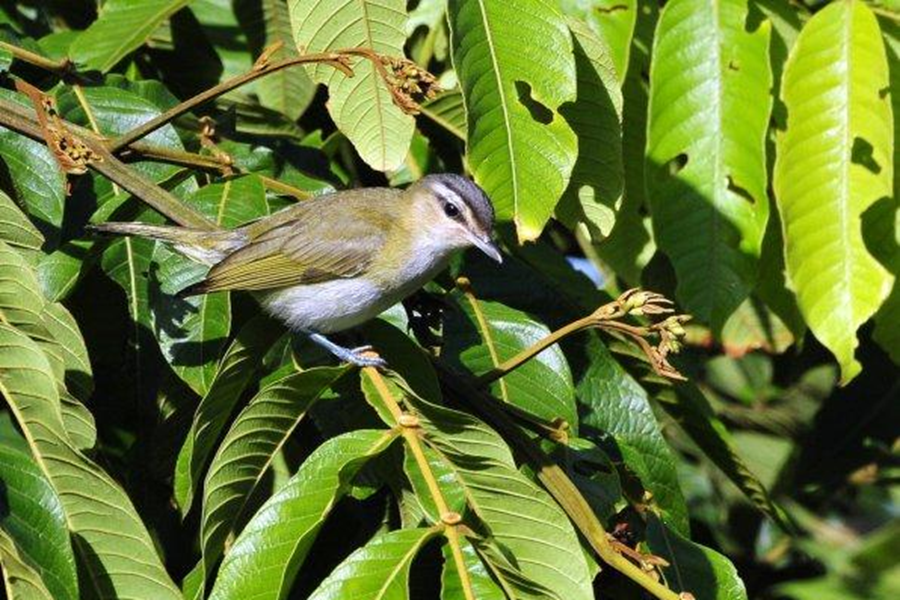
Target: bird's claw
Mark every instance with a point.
(364, 356)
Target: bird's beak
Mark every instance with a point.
(486, 245)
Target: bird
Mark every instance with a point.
(333, 262)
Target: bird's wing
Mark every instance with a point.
(300, 250)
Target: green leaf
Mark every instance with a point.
(115, 553)
(38, 184)
(248, 449)
(519, 148)
(448, 111)
(706, 162)
(78, 422)
(887, 320)
(379, 570)
(611, 402)
(15, 228)
(630, 246)
(21, 303)
(20, 580)
(267, 22)
(479, 578)
(362, 106)
(612, 21)
(62, 326)
(835, 161)
(444, 475)
(122, 27)
(521, 517)
(59, 271)
(702, 572)
(595, 191)
(479, 335)
(32, 515)
(265, 557)
(235, 372)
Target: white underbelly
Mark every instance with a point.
(330, 306)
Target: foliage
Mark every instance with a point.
(736, 156)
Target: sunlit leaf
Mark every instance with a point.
(519, 148)
(613, 21)
(234, 374)
(479, 335)
(265, 557)
(248, 449)
(835, 161)
(594, 193)
(15, 228)
(379, 570)
(706, 170)
(522, 518)
(361, 106)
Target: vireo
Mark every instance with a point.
(333, 262)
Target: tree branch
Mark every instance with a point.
(19, 119)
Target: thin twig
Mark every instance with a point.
(18, 118)
(59, 67)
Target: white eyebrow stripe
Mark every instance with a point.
(447, 193)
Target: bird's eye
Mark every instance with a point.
(451, 210)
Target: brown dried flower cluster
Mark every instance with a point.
(410, 85)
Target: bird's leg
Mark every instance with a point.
(354, 356)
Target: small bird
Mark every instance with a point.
(331, 263)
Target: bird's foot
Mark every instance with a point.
(363, 356)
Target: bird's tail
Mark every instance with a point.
(208, 247)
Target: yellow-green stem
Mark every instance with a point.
(411, 437)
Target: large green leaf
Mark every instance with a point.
(520, 149)
(21, 303)
(15, 228)
(629, 246)
(268, 22)
(887, 320)
(32, 515)
(116, 555)
(235, 372)
(479, 335)
(266, 555)
(122, 27)
(377, 571)
(523, 520)
(613, 21)
(702, 572)
(362, 106)
(248, 449)
(706, 171)
(595, 191)
(612, 403)
(835, 161)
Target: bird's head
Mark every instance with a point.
(456, 211)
